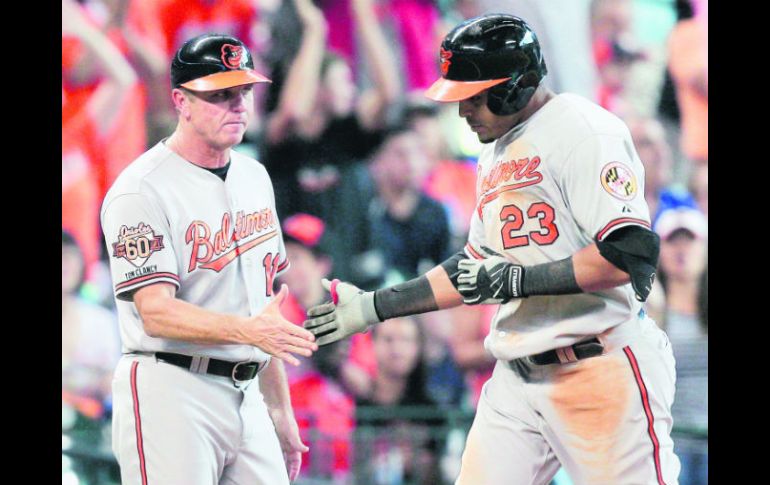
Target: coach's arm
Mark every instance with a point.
(165, 316)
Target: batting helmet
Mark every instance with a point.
(212, 61)
(498, 52)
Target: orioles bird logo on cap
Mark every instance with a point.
(231, 56)
(445, 56)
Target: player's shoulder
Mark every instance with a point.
(243, 161)
(139, 174)
(576, 120)
(588, 118)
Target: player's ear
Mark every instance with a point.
(182, 100)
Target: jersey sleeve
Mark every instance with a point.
(476, 238)
(476, 233)
(603, 185)
(283, 257)
(138, 244)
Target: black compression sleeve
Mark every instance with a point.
(555, 278)
(409, 298)
(450, 266)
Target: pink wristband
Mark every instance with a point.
(333, 291)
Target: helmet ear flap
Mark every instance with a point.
(498, 98)
(513, 95)
(509, 97)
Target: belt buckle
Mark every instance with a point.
(235, 371)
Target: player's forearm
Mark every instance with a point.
(172, 318)
(428, 293)
(594, 273)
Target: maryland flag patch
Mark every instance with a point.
(619, 181)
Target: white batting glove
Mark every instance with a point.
(489, 281)
(351, 311)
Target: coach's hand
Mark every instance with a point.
(351, 311)
(492, 280)
(291, 444)
(278, 336)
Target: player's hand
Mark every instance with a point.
(489, 281)
(291, 443)
(351, 311)
(278, 336)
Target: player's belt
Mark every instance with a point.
(573, 353)
(237, 371)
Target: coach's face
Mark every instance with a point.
(219, 117)
(487, 126)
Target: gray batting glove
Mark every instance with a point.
(489, 281)
(351, 311)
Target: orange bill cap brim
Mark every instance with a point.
(448, 91)
(223, 80)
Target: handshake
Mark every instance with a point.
(488, 281)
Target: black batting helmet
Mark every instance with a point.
(498, 52)
(213, 61)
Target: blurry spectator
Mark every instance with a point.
(414, 28)
(470, 326)
(90, 342)
(307, 247)
(682, 273)
(650, 142)
(445, 381)
(451, 182)
(416, 24)
(614, 51)
(563, 30)
(610, 21)
(321, 130)
(92, 95)
(699, 187)
(127, 139)
(401, 446)
(325, 412)
(409, 230)
(688, 64)
(615, 61)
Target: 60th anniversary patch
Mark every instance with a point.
(136, 244)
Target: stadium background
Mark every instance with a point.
(375, 205)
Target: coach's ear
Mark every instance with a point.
(181, 100)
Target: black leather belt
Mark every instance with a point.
(580, 350)
(237, 371)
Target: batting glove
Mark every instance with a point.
(350, 311)
(489, 281)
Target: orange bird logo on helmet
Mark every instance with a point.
(445, 56)
(231, 56)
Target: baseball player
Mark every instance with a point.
(194, 246)
(560, 240)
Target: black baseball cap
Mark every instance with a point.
(210, 62)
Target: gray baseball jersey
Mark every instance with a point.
(546, 189)
(220, 244)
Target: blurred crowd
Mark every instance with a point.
(375, 185)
